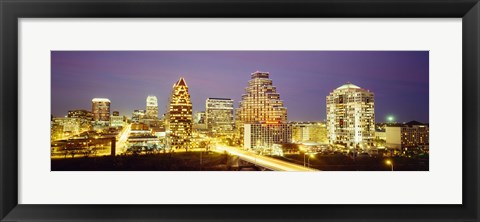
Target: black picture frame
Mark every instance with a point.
(11, 11)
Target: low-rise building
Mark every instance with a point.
(65, 127)
(266, 134)
(309, 132)
(138, 115)
(80, 113)
(117, 121)
(411, 134)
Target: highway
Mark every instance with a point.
(267, 162)
(121, 145)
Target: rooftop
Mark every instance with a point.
(220, 98)
(349, 85)
(181, 82)
(415, 123)
(259, 74)
(100, 100)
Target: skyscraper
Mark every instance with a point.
(351, 116)
(101, 110)
(152, 108)
(219, 115)
(261, 104)
(179, 116)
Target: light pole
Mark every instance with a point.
(311, 155)
(306, 162)
(389, 162)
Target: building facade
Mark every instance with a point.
(152, 108)
(199, 122)
(117, 121)
(101, 110)
(138, 115)
(65, 127)
(351, 116)
(199, 117)
(309, 132)
(219, 116)
(80, 113)
(259, 136)
(411, 134)
(260, 103)
(179, 117)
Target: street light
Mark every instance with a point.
(305, 160)
(389, 162)
(311, 155)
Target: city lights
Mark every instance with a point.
(243, 125)
(351, 115)
(390, 163)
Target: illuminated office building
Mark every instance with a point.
(411, 134)
(117, 121)
(101, 110)
(262, 112)
(138, 114)
(80, 113)
(179, 116)
(309, 132)
(64, 127)
(266, 134)
(261, 102)
(152, 108)
(199, 117)
(351, 116)
(199, 121)
(219, 115)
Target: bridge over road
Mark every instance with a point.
(263, 161)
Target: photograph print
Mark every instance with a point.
(239, 111)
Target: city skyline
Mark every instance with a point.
(303, 78)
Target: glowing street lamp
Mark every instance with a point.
(311, 155)
(306, 161)
(389, 162)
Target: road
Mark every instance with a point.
(263, 161)
(121, 145)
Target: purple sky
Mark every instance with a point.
(399, 79)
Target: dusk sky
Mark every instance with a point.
(399, 79)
